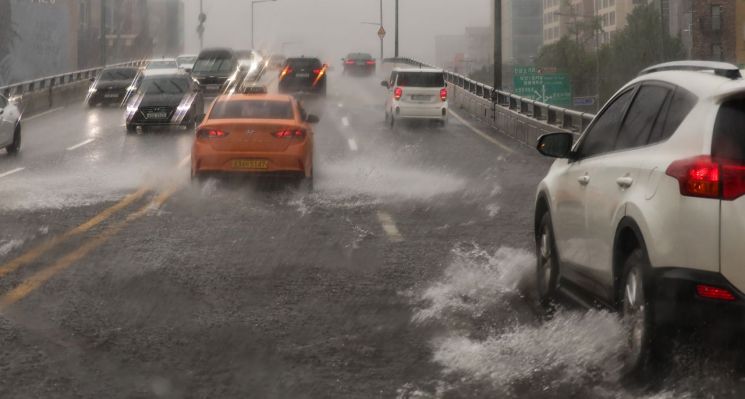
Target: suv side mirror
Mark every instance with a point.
(556, 145)
(385, 84)
(312, 119)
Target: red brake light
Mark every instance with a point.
(285, 72)
(709, 292)
(211, 134)
(349, 62)
(444, 94)
(370, 62)
(704, 177)
(398, 93)
(317, 71)
(289, 133)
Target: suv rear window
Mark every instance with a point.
(729, 134)
(252, 109)
(304, 63)
(421, 79)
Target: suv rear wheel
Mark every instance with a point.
(636, 313)
(547, 265)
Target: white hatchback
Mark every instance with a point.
(416, 93)
(646, 211)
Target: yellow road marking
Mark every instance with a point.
(39, 278)
(481, 133)
(34, 253)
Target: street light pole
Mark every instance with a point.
(381, 25)
(396, 53)
(252, 18)
(498, 44)
(200, 27)
(102, 42)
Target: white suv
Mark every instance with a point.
(416, 93)
(646, 211)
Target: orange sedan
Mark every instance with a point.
(259, 134)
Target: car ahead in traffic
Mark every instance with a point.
(359, 64)
(213, 69)
(255, 134)
(165, 99)
(646, 211)
(10, 125)
(111, 86)
(303, 75)
(250, 69)
(186, 62)
(416, 94)
(162, 64)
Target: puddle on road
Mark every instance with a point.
(487, 334)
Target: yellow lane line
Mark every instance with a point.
(39, 278)
(39, 250)
(481, 133)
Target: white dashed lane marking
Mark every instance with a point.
(389, 226)
(76, 146)
(10, 172)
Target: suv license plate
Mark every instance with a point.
(303, 75)
(420, 97)
(156, 115)
(111, 95)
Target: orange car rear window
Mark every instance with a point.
(252, 109)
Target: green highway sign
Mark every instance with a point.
(544, 85)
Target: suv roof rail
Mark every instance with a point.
(719, 68)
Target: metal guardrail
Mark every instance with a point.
(48, 83)
(562, 118)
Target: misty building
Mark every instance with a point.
(718, 30)
(478, 48)
(522, 31)
(450, 52)
(680, 16)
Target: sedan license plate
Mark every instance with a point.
(213, 87)
(250, 164)
(111, 95)
(303, 75)
(421, 97)
(156, 115)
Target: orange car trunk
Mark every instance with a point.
(255, 136)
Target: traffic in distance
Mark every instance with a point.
(248, 221)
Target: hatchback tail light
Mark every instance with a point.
(398, 93)
(711, 292)
(705, 177)
(444, 94)
(211, 134)
(288, 70)
(370, 62)
(289, 133)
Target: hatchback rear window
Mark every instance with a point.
(304, 63)
(252, 109)
(421, 79)
(729, 131)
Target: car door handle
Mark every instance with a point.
(584, 180)
(625, 182)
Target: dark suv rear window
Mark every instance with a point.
(729, 131)
(304, 63)
(421, 79)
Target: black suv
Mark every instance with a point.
(213, 69)
(165, 99)
(111, 86)
(303, 75)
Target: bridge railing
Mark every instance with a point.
(46, 93)
(519, 117)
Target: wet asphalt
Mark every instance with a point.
(404, 274)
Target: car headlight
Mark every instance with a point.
(184, 107)
(132, 109)
(92, 90)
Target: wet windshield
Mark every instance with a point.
(372, 199)
(164, 86)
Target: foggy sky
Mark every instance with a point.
(331, 28)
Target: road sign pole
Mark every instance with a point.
(396, 54)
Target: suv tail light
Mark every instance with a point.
(710, 292)
(289, 133)
(288, 70)
(444, 94)
(349, 62)
(211, 134)
(705, 177)
(398, 93)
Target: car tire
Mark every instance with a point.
(15, 146)
(547, 262)
(636, 314)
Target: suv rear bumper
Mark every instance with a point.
(677, 303)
